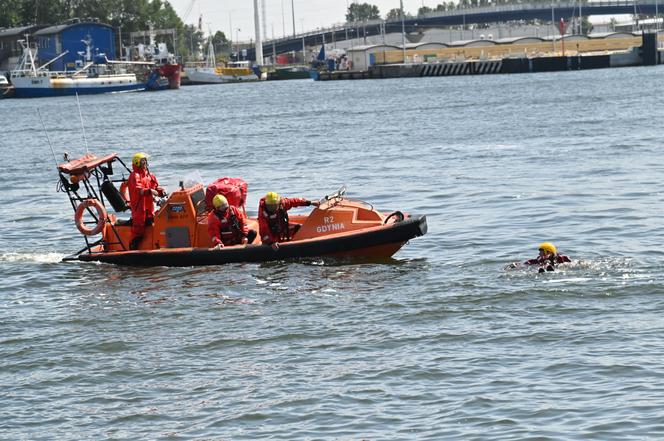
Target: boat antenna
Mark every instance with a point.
(47, 137)
(85, 138)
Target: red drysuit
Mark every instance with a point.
(228, 228)
(274, 227)
(141, 182)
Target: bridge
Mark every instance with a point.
(459, 17)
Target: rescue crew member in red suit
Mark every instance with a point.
(273, 218)
(227, 225)
(547, 260)
(143, 187)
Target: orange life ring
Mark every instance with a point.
(124, 191)
(101, 217)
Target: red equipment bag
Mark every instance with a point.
(234, 189)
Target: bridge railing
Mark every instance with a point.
(459, 12)
(524, 7)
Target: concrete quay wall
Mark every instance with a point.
(647, 54)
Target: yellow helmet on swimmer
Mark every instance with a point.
(136, 160)
(220, 201)
(549, 247)
(272, 198)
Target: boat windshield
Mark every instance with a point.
(198, 198)
(190, 180)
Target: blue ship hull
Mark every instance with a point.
(40, 92)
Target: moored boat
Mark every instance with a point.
(289, 73)
(339, 227)
(208, 72)
(165, 70)
(30, 81)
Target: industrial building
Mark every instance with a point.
(71, 37)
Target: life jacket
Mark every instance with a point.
(551, 259)
(231, 230)
(277, 222)
(139, 183)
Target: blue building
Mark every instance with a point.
(55, 40)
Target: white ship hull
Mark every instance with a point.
(27, 86)
(211, 75)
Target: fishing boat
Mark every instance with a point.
(164, 70)
(338, 227)
(208, 72)
(92, 77)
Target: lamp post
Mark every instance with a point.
(283, 20)
(237, 42)
(656, 16)
(230, 29)
(553, 28)
(403, 33)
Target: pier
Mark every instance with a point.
(645, 54)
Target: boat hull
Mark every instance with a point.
(28, 87)
(220, 75)
(376, 242)
(289, 74)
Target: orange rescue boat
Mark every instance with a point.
(339, 227)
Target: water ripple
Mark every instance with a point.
(439, 342)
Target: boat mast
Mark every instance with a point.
(33, 67)
(403, 33)
(211, 61)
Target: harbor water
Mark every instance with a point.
(438, 343)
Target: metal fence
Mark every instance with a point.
(530, 6)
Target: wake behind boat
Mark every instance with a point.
(178, 236)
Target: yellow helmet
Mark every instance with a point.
(272, 198)
(136, 160)
(548, 246)
(220, 201)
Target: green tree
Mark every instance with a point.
(130, 15)
(221, 43)
(393, 14)
(362, 12)
(10, 16)
(33, 12)
(191, 41)
(423, 10)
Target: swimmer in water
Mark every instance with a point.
(547, 260)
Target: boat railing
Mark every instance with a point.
(333, 198)
(40, 73)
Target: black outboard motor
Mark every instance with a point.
(114, 197)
